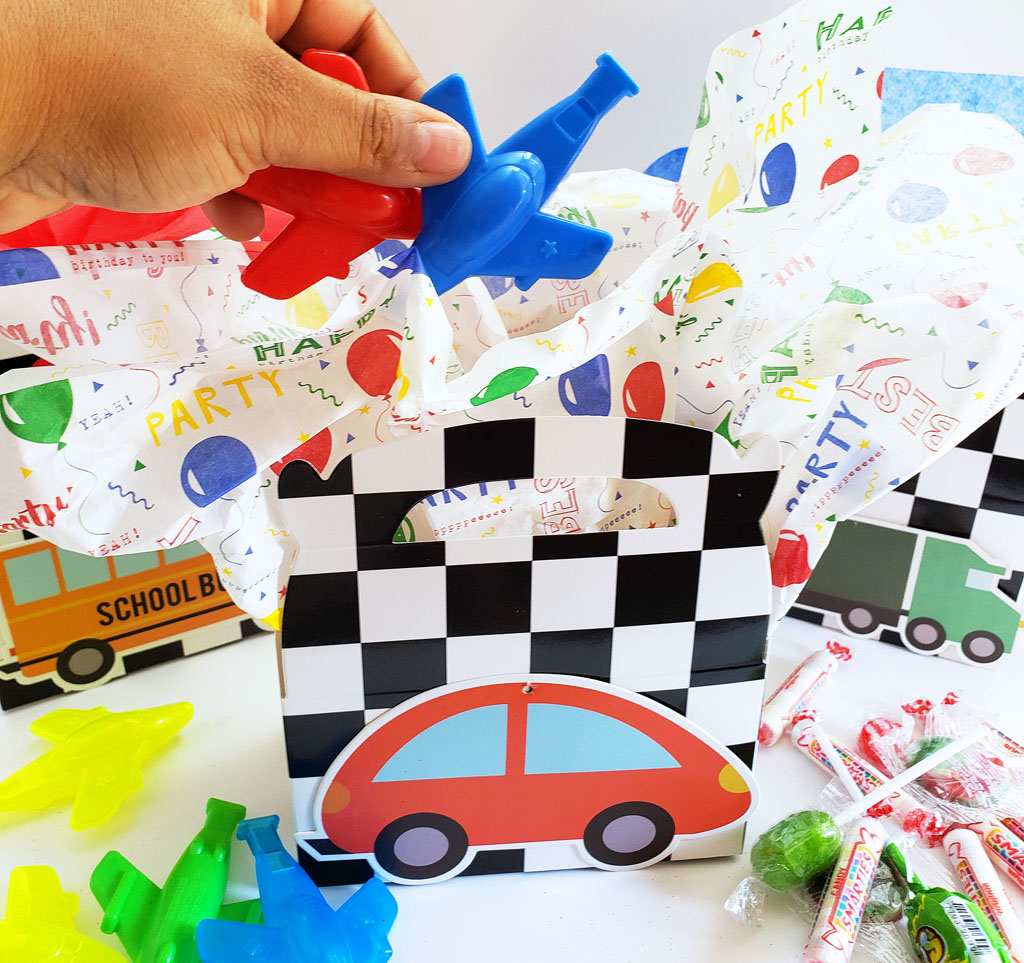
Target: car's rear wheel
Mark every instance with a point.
(983, 647)
(925, 635)
(420, 846)
(629, 834)
(85, 661)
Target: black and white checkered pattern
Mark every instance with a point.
(974, 491)
(679, 614)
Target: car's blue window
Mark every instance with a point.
(569, 739)
(471, 743)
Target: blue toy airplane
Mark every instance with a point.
(488, 221)
(301, 926)
(158, 925)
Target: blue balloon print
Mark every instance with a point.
(25, 264)
(912, 203)
(778, 175)
(587, 390)
(399, 257)
(496, 287)
(215, 466)
(669, 166)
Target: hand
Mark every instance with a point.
(155, 105)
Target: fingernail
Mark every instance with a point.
(441, 148)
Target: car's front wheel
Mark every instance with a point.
(629, 834)
(420, 846)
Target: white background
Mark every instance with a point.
(520, 57)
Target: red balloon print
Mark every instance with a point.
(878, 84)
(979, 161)
(643, 394)
(373, 360)
(789, 563)
(839, 169)
(960, 296)
(315, 452)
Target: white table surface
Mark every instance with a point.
(233, 748)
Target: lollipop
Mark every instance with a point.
(974, 778)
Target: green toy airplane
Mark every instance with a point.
(159, 925)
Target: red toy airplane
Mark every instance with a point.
(336, 219)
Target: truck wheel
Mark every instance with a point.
(925, 635)
(859, 619)
(983, 647)
(85, 661)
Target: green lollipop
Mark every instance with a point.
(796, 849)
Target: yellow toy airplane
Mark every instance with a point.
(97, 759)
(40, 923)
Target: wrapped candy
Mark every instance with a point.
(972, 778)
(797, 690)
(796, 849)
(949, 927)
(982, 884)
(880, 738)
(834, 931)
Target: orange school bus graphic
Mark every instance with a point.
(72, 616)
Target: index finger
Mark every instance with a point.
(357, 28)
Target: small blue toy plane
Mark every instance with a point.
(300, 925)
(488, 220)
(158, 925)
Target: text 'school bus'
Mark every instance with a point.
(73, 615)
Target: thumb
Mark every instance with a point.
(314, 122)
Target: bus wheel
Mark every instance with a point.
(85, 661)
(983, 647)
(859, 619)
(925, 635)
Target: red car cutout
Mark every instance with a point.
(499, 762)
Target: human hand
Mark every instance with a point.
(157, 105)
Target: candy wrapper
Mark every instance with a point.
(982, 781)
(851, 292)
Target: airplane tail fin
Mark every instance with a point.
(369, 914)
(558, 134)
(222, 818)
(267, 849)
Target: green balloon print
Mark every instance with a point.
(40, 413)
(506, 382)
(840, 292)
(704, 116)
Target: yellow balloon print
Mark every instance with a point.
(618, 201)
(403, 386)
(714, 279)
(725, 191)
(306, 310)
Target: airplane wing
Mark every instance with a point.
(34, 893)
(56, 726)
(549, 247)
(220, 941)
(127, 897)
(451, 97)
(104, 786)
(368, 915)
(305, 252)
(244, 911)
